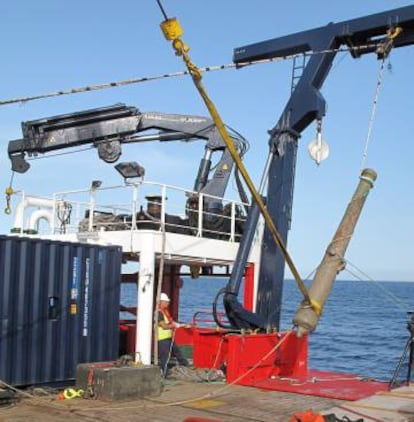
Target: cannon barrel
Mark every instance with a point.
(307, 316)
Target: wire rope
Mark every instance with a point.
(395, 299)
(212, 68)
(373, 113)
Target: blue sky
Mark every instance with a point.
(51, 45)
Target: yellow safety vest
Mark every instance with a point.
(163, 333)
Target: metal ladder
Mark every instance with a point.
(299, 63)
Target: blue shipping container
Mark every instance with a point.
(59, 306)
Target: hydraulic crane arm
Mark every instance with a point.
(109, 127)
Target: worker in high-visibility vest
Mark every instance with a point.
(166, 345)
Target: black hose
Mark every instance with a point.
(223, 290)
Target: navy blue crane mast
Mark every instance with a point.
(369, 34)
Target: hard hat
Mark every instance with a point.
(164, 297)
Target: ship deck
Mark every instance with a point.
(216, 402)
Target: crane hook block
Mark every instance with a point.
(171, 29)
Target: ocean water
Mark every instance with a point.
(363, 329)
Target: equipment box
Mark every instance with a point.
(107, 382)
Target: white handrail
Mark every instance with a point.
(94, 214)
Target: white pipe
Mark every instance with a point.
(30, 201)
(38, 215)
(145, 300)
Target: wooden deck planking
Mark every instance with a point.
(393, 406)
(214, 401)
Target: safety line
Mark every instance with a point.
(399, 302)
(214, 68)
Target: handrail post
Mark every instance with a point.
(53, 225)
(91, 208)
(233, 222)
(200, 215)
(134, 206)
(163, 199)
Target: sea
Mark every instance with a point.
(364, 328)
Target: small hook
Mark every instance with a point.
(9, 193)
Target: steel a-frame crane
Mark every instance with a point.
(376, 34)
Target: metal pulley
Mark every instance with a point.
(318, 149)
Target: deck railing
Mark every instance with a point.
(142, 205)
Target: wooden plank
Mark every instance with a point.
(393, 406)
(178, 401)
